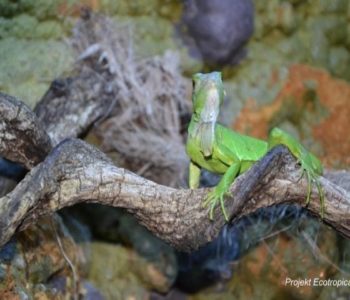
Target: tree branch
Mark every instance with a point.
(72, 104)
(76, 172)
(22, 137)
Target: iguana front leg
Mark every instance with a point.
(194, 175)
(222, 188)
(310, 165)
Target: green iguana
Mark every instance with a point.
(220, 150)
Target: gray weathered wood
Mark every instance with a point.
(75, 172)
(22, 137)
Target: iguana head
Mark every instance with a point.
(207, 96)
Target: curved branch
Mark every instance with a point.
(77, 172)
(22, 137)
(74, 172)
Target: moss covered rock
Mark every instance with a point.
(120, 273)
(27, 67)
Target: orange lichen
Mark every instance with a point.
(274, 261)
(332, 132)
(8, 289)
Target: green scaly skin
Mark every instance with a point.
(220, 150)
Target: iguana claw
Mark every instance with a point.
(212, 199)
(312, 178)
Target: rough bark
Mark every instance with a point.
(71, 105)
(22, 137)
(77, 172)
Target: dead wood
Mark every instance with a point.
(76, 172)
(22, 137)
(73, 104)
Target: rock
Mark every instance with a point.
(341, 291)
(332, 291)
(219, 28)
(307, 250)
(312, 102)
(286, 33)
(309, 253)
(33, 53)
(213, 264)
(31, 260)
(209, 264)
(153, 35)
(240, 289)
(115, 226)
(120, 273)
(339, 59)
(22, 72)
(59, 286)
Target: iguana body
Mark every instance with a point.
(221, 150)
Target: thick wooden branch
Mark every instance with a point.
(74, 172)
(67, 110)
(22, 137)
(77, 172)
(72, 104)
